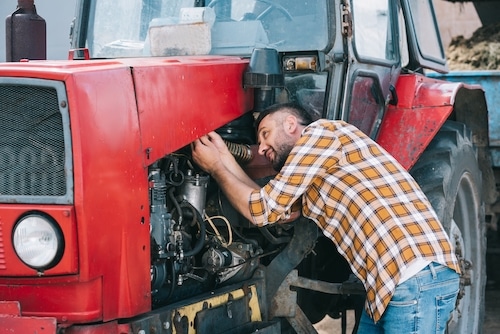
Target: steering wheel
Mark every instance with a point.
(271, 6)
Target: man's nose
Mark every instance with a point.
(262, 148)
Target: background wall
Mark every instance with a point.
(58, 15)
(463, 18)
(456, 18)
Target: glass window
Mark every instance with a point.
(372, 31)
(424, 23)
(308, 90)
(128, 28)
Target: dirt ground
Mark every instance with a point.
(334, 326)
(480, 52)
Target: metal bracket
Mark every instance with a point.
(284, 303)
(346, 20)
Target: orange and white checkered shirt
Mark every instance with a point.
(363, 200)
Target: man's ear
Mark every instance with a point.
(290, 124)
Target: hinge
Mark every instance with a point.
(346, 20)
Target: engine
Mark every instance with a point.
(198, 240)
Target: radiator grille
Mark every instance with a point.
(32, 157)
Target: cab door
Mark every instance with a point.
(374, 62)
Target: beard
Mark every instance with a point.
(282, 152)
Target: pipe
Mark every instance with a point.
(25, 33)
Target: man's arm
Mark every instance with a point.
(211, 154)
(236, 190)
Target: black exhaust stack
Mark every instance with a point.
(264, 75)
(25, 33)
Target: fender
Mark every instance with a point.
(424, 104)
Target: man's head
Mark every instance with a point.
(278, 129)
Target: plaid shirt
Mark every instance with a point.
(363, 200)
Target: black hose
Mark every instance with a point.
(201, 240)
(172, 281)
(203, 231)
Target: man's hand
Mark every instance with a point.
(218, 142)
(208, 151)
(211, 154)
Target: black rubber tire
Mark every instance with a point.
(449, 174)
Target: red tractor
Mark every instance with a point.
(106, 224)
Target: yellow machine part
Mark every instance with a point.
(190, 311)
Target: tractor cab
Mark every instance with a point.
(332, 54)
(172, 28)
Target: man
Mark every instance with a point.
(362, 199)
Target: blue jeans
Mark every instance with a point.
(422, 304)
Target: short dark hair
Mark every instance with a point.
(304, 117)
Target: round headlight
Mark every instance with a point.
(38, 241)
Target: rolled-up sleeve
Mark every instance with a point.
(262, 213)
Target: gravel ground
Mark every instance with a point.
(479, 52)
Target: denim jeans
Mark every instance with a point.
(422, 304)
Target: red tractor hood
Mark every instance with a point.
(175, 99)
(124, 115)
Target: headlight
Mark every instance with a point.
(38, 241)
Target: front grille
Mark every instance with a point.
(32, 148)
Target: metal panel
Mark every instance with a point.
(490, 82)
(423, 107)
(12, 322)
(183, 89)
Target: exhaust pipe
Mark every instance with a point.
(26, 33)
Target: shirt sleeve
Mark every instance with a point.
(314, 154)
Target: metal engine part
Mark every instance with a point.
(191, 252)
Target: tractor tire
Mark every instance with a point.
(449, 174)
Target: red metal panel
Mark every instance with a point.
(67, 300)
(25, 325)
(111, 198)
(181, 99)
(12, 266)
(12, 322)
(424, 105)
(111, 190)
(55, 69)
(115, 116)
(10, 308)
